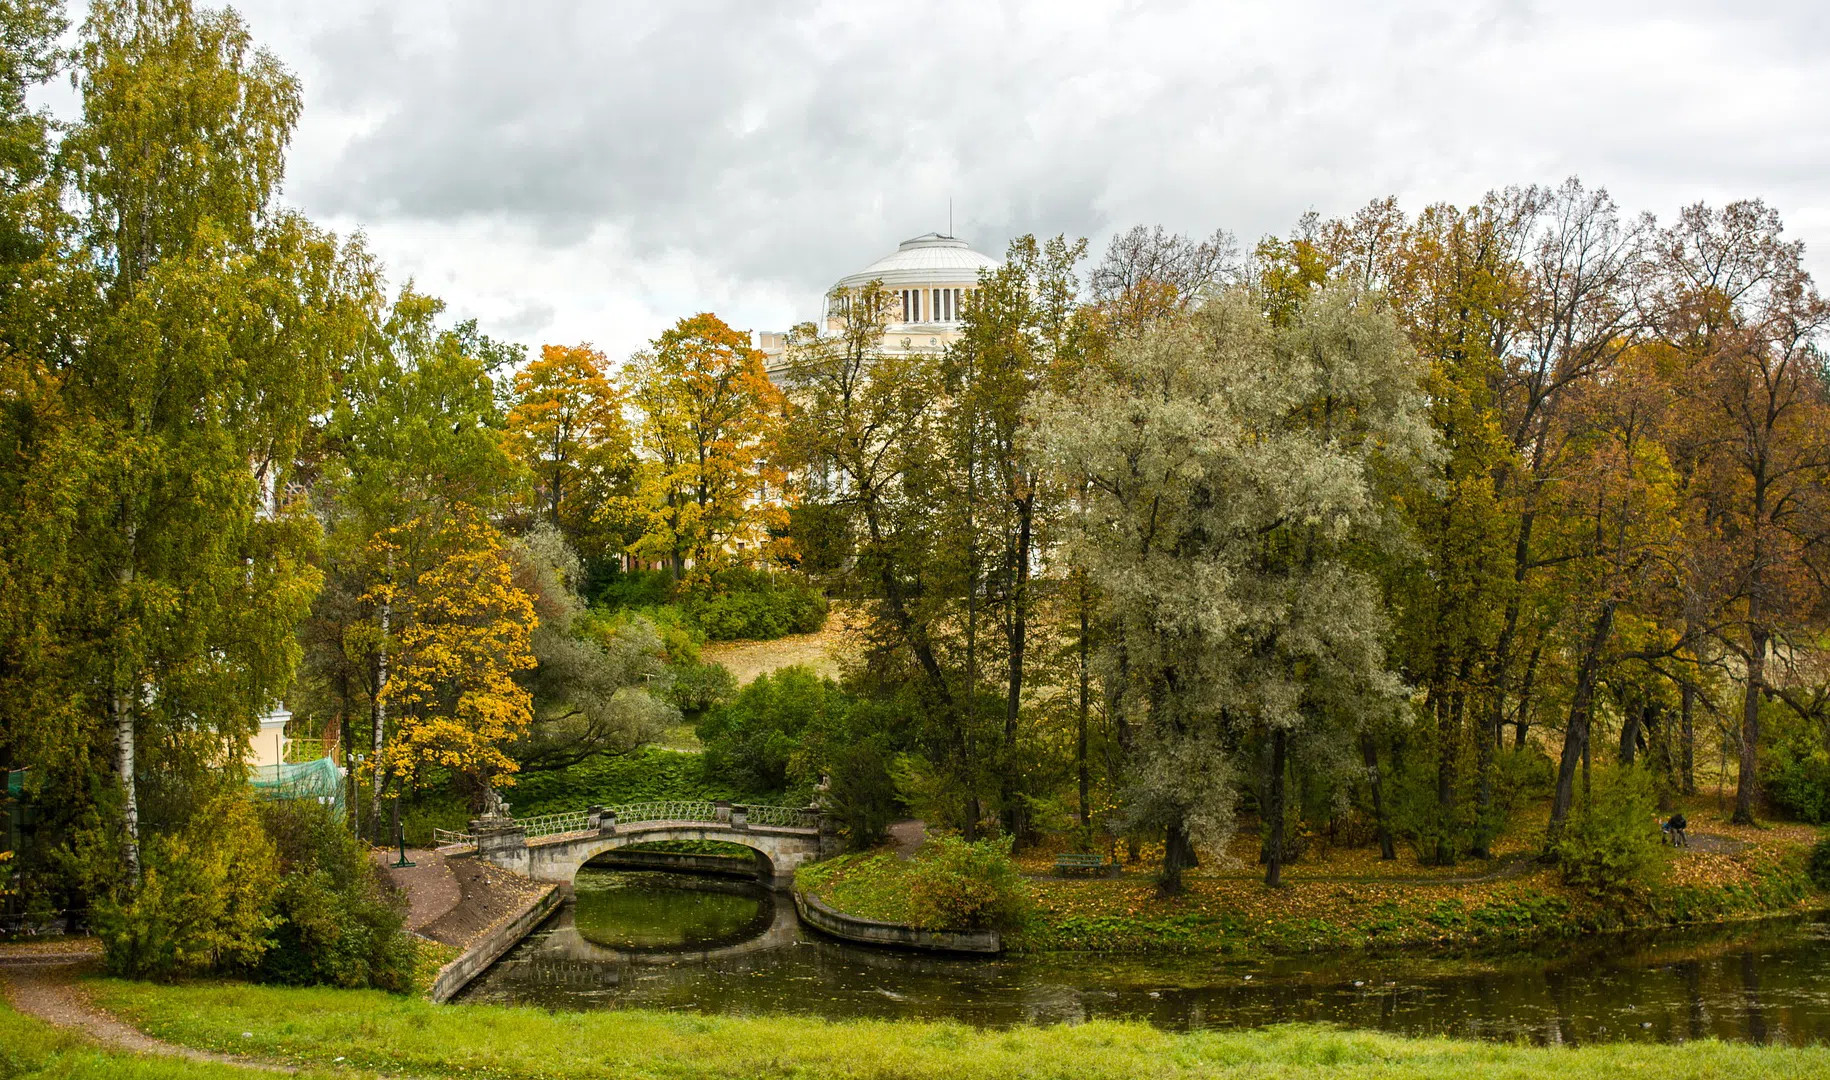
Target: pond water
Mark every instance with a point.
(665, 941)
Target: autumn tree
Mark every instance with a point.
(1735, 301)
(565, 425)
(413, 438)
(1018, 334)
(452, 689)
(870, 439)
(708, 490)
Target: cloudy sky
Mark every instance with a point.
(570, 171)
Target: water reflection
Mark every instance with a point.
(1771, 984)
(648, 910)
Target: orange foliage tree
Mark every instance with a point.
(566, 425)
(709, 491)
(453, 692)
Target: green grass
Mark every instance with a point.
(870, 885)
(404, 1036)
(30, 1049)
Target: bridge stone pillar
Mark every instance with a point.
(829, 832)
(501, 842)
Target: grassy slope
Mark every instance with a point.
(398, 1035)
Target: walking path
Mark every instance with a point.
(43, 985)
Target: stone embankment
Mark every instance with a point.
(828, 920)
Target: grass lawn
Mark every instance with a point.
(402, 1036)
(31, 1049)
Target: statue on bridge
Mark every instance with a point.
(495, 808)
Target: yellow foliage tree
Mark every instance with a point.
(452, 690)
(566, 425)
(709, 488)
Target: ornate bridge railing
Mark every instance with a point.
(793, 817)
(448, 838)
(552, 824)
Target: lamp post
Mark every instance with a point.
(400, 835)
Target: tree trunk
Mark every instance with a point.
(1688, 746)
(1080, 734)
(380, 713)
(1747, 783)
(124, 747)
(1018, 640)
(1274, 845)
(126, 694)
(1370, 752)
(1178, 855)
(1576, 734)
(1630, 723)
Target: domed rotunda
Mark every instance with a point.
(929, 279)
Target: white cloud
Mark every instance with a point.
(569, 171)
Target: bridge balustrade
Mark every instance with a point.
(579, 821)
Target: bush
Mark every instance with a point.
(1820, 864)
(1795, 767)
(751, 606)
(1611, 849)
(955, 885)
(862, 798)
(340, 919)
(647, 775)
(1438, 836)
(204, 898)
(758, 740)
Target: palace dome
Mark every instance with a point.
(929, 259)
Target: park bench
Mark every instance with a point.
(1078, 862)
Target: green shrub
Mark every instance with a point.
(647, 775)
(340, 919)
(1611, 848)
(743, 605)
(613, 588)
(204, 898)
(758, 740)
(699, 687)
(955, 885)
(1820, 864)
(862, 797)
(1438, 835)
(1795, 767)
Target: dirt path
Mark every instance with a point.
(431, 889)
(456, 901)
(46, 989)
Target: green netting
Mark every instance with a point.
(320, 779)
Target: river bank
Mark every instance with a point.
(1349, 899)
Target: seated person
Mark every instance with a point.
(1674, 830)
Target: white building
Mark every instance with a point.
(930, 277)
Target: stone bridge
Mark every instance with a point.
(553, 847)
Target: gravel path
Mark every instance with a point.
(48, 991)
